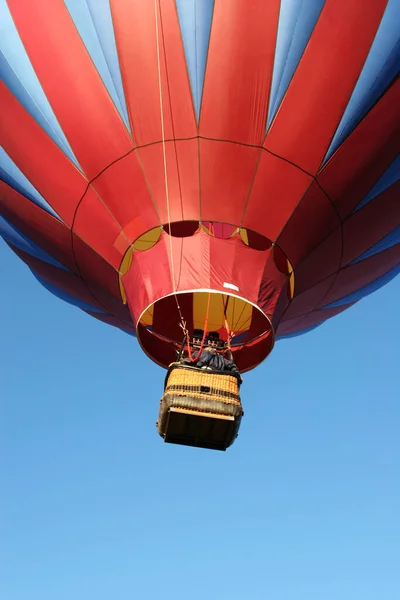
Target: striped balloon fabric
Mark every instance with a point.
(154, 152)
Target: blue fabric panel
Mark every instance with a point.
(14, 184)
(288, 336)
(380, 68)
(297, 20)
(102, 19)
(18, 75)
(56, 291)
(390, 176)
(94, 24)
(366, 290)
(388, 241)
(195, 18)
(11, 174)
(19, 240)
(239, 337)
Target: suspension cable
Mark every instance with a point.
(229, 333)
(190, 355)
(156, 4)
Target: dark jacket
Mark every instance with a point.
(215, 361)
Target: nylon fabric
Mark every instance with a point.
(278, 132)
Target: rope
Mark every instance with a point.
(190, 355)
(226, 325)
(156, 2)
(229, 335)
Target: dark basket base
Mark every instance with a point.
(198, 422)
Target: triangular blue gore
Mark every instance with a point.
(380, 69)
(389, 177)
(12, 175)
(391, 239)
(289, 336)
(60, 293)
(19, 76)
(297, 19)
(195, 17)
(366, 290)
(93, 20)
(13, 236)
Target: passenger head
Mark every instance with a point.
(213, 339)
(197, 337)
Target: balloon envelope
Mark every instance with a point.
(229, 163)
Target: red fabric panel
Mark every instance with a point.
(39, 158)
(39, 226)
(110, 304)
(307, 301)
(166, 317)
(96, 227)
(179, 91)
(182, 159)
(356, 276)
(322, 262)
(221, 230)
(371, 223)
(152, 162)
(313, 105)
(135, 33)
(123, 189)
(281, 305)
(163, 354)
(311, 222)
(66, 281)
(187, 152)
(101, 279)
(365, 154)
(226, 175)
(278, 188)
(258, 326)
(95, 270)
(148, 278)
(252, 355)
(71, 83)
(239, 70)
(314, 318)
(232, 262)
(272, 282)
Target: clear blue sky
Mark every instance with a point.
(304, 506)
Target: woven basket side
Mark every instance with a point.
(196, 392)
(197, 377)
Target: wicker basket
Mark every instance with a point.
(200, 407)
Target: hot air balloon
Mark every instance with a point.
(225, 165)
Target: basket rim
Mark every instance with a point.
(181, 366)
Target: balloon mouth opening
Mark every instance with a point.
(165, 326)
